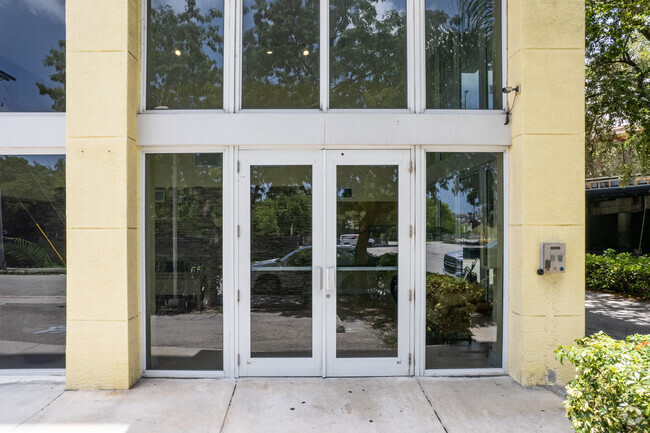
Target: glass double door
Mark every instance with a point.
(324, 263)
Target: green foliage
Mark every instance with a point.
(463, 43)
(285, 78)
(55, 59)
(29, 253)
(193, 79)
(440, 219)
(617, 87)
(368, 55)
(450, 304)
(611, 392)
(32, 193)
(618, 273)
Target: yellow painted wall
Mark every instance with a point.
(102, 92)
(547, 197)
(545, 56)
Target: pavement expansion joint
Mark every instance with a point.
(232, 395)
(432, 406)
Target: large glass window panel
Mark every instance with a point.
(463, 54)
(280, 55)
(32, 56)
(368, 54)
(184, 261)
(32, 262)
(185, 54)
(464, 260)
(366, 261)
(281, 261)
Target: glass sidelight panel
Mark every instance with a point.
(32, 261)
(366, 261)
(281, 261)
(184, 261)
(464, 260)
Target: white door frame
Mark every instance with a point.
(249, 366)
(390, 366)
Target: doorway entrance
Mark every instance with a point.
(324, 254)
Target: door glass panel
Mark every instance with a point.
(184, 261)
(366, 261)
(464, 260)
(368, 54)
(280, 54)
(281, 261)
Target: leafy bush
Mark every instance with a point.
(619, 273)
(26, 253)
(611, 392)
(450, 304)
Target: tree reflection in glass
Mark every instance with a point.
(32, 261)
(367, 260)
(32, 56)
(280, 54)
(464, 260)
(185, 54)
(281, 261)
(463, 54)
(368, 54)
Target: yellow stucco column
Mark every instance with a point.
(547, 197)
(103, 76)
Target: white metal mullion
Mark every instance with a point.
(237, 29)
(419, 63)
(229, 270)
(421, 262)
(228, 49)
(324, 55)
(411, 56)
(236, 313)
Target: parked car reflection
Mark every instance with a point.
(375, 274)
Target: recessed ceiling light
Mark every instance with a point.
(177, 52)
(305, 53)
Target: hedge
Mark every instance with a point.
(621, 273)
(611, 392)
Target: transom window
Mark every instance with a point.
(332, 54)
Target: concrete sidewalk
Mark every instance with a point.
(495, 404)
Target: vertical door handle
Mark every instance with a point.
(319, 278)
(330, 282)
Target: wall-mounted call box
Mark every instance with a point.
(552, 258)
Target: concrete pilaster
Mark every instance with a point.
(103, 76)
(547, 198)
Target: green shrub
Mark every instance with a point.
(618, 273)
(450, 304)
(611, 392)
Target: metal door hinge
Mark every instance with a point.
(410, 360)
(238, 359)
(238, 292)
(238, 166)
(411, 231)
(410, 295)
(238, 230)
(411, 166)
